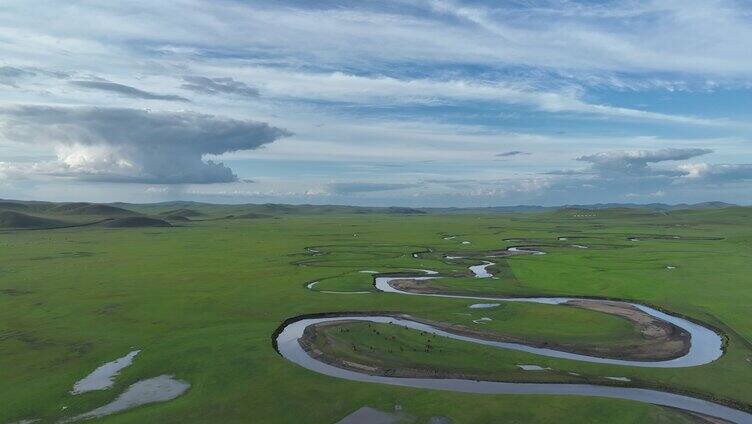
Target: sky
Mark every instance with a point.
(377, 103)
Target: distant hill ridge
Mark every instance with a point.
(50, 214)
(182, 212)
(12, 219)
(91, 209)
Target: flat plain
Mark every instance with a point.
(201, 300)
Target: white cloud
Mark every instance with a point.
(693, 170)
(643, 174)
(715, 173)
(636, 162)
(129, 145)
(384, 90)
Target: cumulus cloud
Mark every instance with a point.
(637, 162)
(715, 173)
(128, 91)
(130, 145)
(207, 85)
(645, 174)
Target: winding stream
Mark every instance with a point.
(705, 347)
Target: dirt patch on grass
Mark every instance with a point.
(660, 339)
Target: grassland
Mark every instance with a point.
(202, 298)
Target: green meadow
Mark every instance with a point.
(202, 298)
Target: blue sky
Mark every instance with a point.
(419, 103)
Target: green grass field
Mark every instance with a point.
(202, 299)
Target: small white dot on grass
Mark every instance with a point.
(532, 367)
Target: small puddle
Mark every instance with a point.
(102, 377)
(368, 272)
(482, 320)
(483, 305)
(532, 367)
(157, 389)
(480, 271)
(527, 250)
(625, 379)
(427, 271)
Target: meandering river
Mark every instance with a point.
(705, 347)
